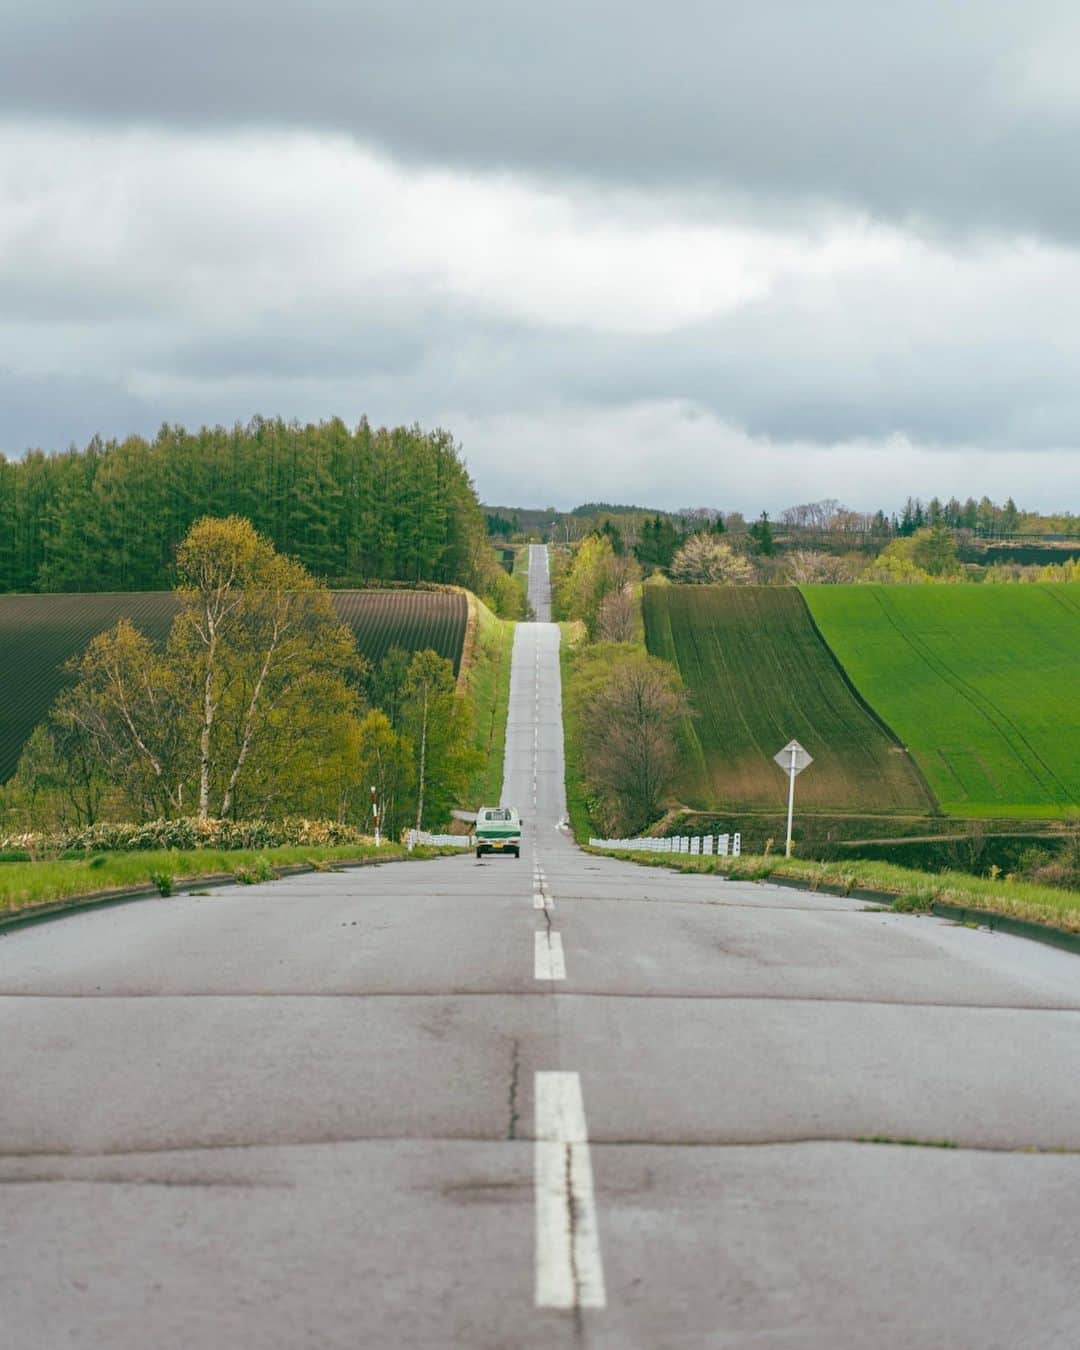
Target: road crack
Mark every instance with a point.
(515, 1067)
(572, 1224)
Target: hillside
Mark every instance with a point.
(981, 683)
(758, 674)
(40, 633)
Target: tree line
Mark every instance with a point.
(352, 505)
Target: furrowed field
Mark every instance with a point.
(40, 633)
(758, 674)
(981, 682)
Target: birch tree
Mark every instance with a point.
(439, 724)
(255, 631)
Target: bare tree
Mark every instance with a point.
(629, 740)
(805, 567)
(618, 621)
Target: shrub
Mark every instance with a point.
(915, 902)
(163, 881)
(187, 833)
(260, 870)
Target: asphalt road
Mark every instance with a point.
(561, 1101)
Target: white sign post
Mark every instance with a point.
(792, 759)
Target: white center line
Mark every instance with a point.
(569, 1271)
(542, 901)
(549, 962)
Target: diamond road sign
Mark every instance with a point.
(802, 757)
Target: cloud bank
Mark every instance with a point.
(798, 251)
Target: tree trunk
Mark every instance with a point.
(249, 726)
(423, 760)
(208, 722)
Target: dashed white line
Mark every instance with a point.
(569, 1270)
(549, 963)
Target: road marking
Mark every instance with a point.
(542, 901)
(569, 1271)
(549, 962)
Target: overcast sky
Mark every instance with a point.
(704, 251)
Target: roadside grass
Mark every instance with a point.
(914, 892)
(487, 681)
(520, 575)
(32, 883)
(571, 635)
(979, 682)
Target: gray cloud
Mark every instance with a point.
(768, 242)
(962, 115)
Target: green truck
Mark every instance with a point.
(498, 830)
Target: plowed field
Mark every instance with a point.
(758, 674)
(40, 633)
(981, 682)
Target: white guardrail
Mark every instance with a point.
(719, 846)
(415, 837)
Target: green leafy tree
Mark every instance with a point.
(361, 504)
(934, 550)
(438, 722)
(761, 536)
(385, 763)
(595, 572)
(255, 632)
(386, 683)
(127, 715)
(659, 542)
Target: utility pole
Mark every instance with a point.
(375, 813)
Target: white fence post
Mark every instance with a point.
(677, 843)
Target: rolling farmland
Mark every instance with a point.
(981, 682)
(758, 674)
(40, 633)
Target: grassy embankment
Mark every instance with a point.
(520, 575)
(32, 883)
(486, 675)
(911, 890)
(980, 682)
(571, 635)
(758, 673)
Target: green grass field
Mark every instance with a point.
(758, 673)
(982, 683)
